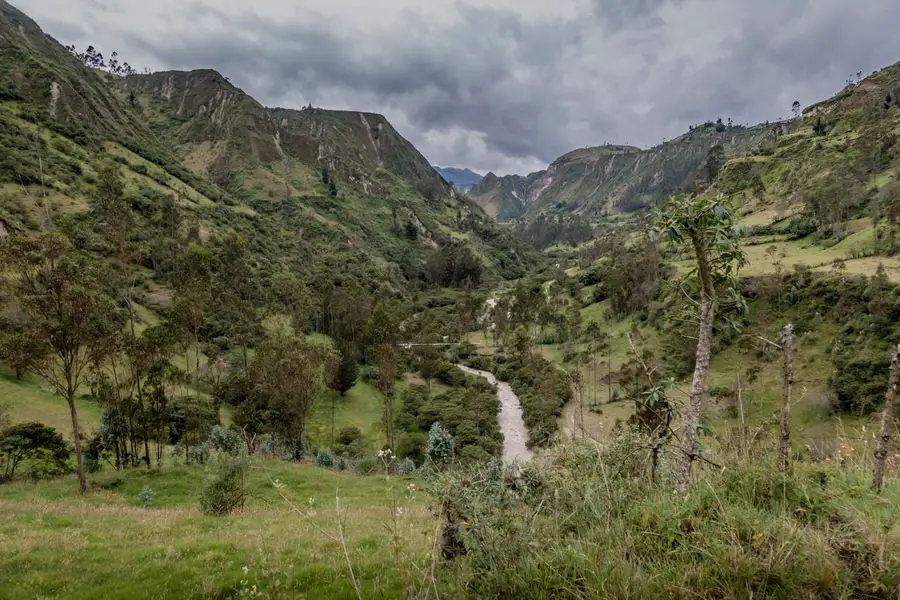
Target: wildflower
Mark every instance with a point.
(411, 487)
(311, 501)
(399, 511)
(245, 569)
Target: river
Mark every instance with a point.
(510, 418)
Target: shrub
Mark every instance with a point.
(349, 441)
(411, 445)
(440, 444)
(225, 489)
(146, 496)
(368, 373)
(325, 458)
(226, 440)
(407, 467)
(367, 466)
(199, 453)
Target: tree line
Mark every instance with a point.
(93, 58)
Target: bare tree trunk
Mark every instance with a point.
(701, 369)
(79, 459)
(740, 400)
(887, 420)
(787, 346)
(609, 373)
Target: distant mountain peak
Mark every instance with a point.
(463, 180)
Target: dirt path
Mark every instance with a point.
(510, 417)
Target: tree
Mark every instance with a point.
(499, 319)
(795, 108)
(381, 335)
(188, 316)
(348, 370)
(706, 226)
(653, 407)
(887, 207)
(597, 341)
(237, 295)
(291, 373)
(17, 349)
(35, 442)
(715, 160)
(411, 231)
(453, 265)
(293, 298)
(787, 347)
(69, 315)
(887, 422)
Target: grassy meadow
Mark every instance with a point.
(106, 544)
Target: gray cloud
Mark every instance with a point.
(507, 85)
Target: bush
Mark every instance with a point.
(367, 466)
(407, 467)
(226, 440)
(411, 445)
(325, 458)
(225, 489)
(368, 373)
(199, 453)
(146, 496)
(349, 441)
(440, 444)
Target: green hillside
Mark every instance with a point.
(230, 337)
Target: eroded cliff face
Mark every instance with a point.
(202, 109)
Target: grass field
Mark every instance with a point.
(361, 407)
(58, 545)
(32, 400)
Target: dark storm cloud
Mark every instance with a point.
(512, 85)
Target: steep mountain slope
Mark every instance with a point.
(462, 180)
(307, 188)
(506, 198)
(42, 85)
(221, 130)
(613, 179)
(836, 165)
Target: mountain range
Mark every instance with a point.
(609, 179)
(307, 187)
(463, 180)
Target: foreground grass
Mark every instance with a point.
(585, 522)
(58, 545)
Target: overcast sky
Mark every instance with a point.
(505, 85)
